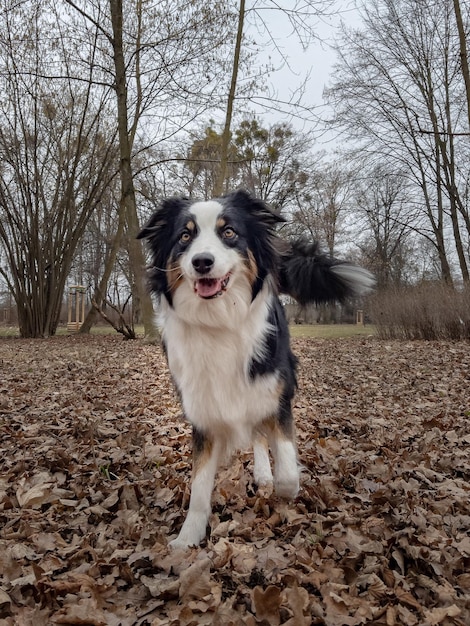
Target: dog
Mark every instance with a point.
(218, 268)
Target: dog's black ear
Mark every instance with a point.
(159, 235)
(162, 217)
(150, 227)
(244, 200)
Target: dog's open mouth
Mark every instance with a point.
(211, 287)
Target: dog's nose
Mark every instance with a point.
(203, 262)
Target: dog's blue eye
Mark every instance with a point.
(228, 233)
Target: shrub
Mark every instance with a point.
(426, 311)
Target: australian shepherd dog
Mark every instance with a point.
(218, 268)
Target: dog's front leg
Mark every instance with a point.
(281, 436)
(262, 473)
(206, 455)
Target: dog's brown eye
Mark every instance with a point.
(185, 237)
(229, 233)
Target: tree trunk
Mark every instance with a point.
(140, 293)
(219, 185)
(100, 291)
(463, 54)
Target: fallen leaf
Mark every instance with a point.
(267, 604)
(195, 581)
(95, 470)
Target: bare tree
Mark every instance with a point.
(202, 162)
(160, 54)
(270, 161)
(320, 211)
(461, 28)
(301, 16)
(55, 152)
(219, 184)
(105, 240)
(381, 206)
(128, 200)
(274, 161)
(398, 94)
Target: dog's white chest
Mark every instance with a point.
(211, 370)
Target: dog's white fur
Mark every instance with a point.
(226, 336)
(219, 338)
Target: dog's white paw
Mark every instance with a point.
(287, 486)
(192, 532)
(286, 470)
(263, 477)
(264, 482)
(265, 491)
(180, 544)
(262, 473)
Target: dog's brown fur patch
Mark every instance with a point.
(175, 275)
(252, 268)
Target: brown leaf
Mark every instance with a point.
(405, 597)
(298, 601)
(195, 580)
(267, 604)
(5, 601)
(437, 615)
(161, 586)
(95, 467)
(82, 611)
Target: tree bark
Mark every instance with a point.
(100, 290)
(219, 185)
(463, 53)
(141, 296)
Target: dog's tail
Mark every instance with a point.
(310, 276)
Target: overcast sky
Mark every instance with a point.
(316, 61)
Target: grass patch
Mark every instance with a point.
(101, 329)
(331, 331)
(325, 331)
(9, 331)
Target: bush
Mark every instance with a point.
(427, 311)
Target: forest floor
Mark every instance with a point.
(95, 474)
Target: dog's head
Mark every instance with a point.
(208, 247)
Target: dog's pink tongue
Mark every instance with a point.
(208, 287)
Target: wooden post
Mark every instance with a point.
(360, 317)
(82, 318)
(76, 308)
(69, 307)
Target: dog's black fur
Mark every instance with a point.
(218, 269)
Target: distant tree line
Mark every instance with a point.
(108, 107)
(401, 95)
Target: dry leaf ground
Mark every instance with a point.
(94, 479)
